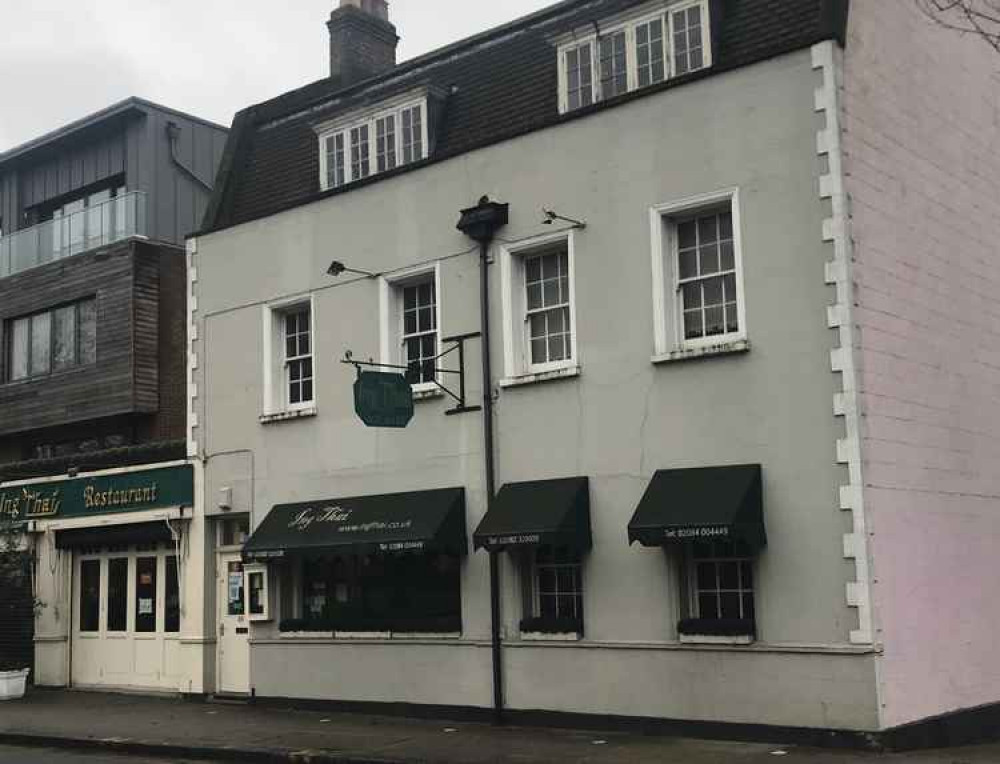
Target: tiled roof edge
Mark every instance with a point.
(429, 58)
(235, 145)
(213, 226)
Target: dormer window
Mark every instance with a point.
(372, 142)
(625, 55)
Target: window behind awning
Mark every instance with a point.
(701, 504)
(390, 523)
(536, 513)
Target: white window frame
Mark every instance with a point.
(534, 573)
(275, 383)
(257, 569)
(691, 574)
(564, 74)
(706, 35)
(636, 18)
(370, 118)
(391, 315)
(668, 324)
(517, 351)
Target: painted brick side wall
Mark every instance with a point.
(921, 116)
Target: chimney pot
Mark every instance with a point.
(377, 8)
(362, 40)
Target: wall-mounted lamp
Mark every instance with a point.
(337, 267)
(551, 217)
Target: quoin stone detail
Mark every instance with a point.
(826, 59)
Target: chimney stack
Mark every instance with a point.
(362, 40)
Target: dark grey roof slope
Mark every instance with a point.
(498, 85)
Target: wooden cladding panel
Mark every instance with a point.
(146, 315)
(125, 377)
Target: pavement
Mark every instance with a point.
(21, 755)
(103, 724)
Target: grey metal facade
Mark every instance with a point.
(128, 141)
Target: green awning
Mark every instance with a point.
(551, 512)
(397, 522)
(701, 504)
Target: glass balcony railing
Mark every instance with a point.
(94, 226)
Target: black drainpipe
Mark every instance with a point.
(173, 134)
(480, 223)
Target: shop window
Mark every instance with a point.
(172, 598)
(145, 594)
(118, 594)
(404, 593)
(256, 588)
(90, 595)
(554, 595)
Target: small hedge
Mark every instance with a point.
(552, 625)
(439, 624)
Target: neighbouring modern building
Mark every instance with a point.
(741, 411)
(93, 311)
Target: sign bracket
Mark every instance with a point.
(457, 344)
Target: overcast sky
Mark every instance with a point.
(63, 59)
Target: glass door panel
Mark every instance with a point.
(145, 594)
(234, 589)
(90, 595)
(172, 598)
(118, 594)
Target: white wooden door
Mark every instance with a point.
(126, 617)
(234, 627)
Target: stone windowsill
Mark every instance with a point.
(306, 635)
(414, 635)
(566, 372)
(733, 347)
(540, 636)
(426, 393)
(711, 639)
(362, 634)
(288, 416)
(386, 636)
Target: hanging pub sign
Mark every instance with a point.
(98, 495)
(382, 399)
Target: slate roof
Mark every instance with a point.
(498, 85)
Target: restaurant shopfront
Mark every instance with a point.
(112, 551)
(372, 565)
